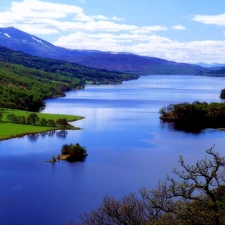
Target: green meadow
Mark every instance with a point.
(10, 129)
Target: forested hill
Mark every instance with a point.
(217, 72)
(26, 81)
(25, 88)
(73, 70)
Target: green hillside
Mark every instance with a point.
(59, 67)
(25, 81)
(25, 88)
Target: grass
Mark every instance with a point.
(10, 130)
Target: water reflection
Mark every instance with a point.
(60, 134)
(171, 126)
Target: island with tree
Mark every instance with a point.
(70, 153)
(198, 115)
(73, 152)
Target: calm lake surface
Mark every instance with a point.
(128, 147)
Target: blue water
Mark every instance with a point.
(128, 147)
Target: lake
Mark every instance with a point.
(128, 146)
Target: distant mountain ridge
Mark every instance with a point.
(123, 62)
(211, 65)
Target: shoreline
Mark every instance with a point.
(36, 129)
(38, 132)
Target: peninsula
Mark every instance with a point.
(194, 115)
(17, 123)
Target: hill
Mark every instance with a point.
(67, 69)
(25, 80)
(123, 62)
(25, 88)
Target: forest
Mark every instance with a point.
(26, 81)
(64, 68)
(24, 88)
(195, 115)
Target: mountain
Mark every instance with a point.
(210, 65)
(124, 62)
(26, 81)
(59, 67)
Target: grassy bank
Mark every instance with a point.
(9, 129)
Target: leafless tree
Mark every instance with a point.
(195, 197)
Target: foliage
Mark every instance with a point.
(23, 88)
(74, 152)
(62, 122)
(63, 69)
(64, 149)
(32, 118)
(51, 123)
(25, 80)
(222, 94)
(196, 197)
(197, 114)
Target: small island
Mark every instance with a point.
(73, 153)
(198, 115)
(70, 153)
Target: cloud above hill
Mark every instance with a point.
(71, 27)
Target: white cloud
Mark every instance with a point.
(152, 45)
(179, 27)
(37, 16)
(78, 30)
(100, 17)
(82, 17)
(46, 17)
(117, 18)
(211, 19)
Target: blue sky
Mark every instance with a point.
(180, 30)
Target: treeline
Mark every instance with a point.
(66, 69)
(26, 81)
(25, 88)
(33, 119)
(196, 114)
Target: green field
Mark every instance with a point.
(10, 130)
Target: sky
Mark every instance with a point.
(189, 31)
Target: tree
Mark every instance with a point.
(196, 197)
(62, 122)
(12, 117)
(198, 182)
(43, 122)
(64, 149)
(32, 118)
(222, 94)
(51, 123)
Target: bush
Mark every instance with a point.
(64, 149)
(62, 122)
(32, 119)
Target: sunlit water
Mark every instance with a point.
(128, 147)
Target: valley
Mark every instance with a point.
(120, 95)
